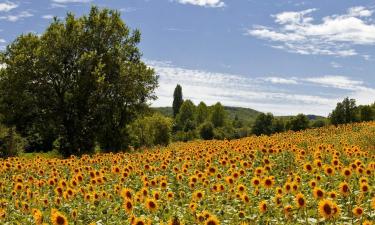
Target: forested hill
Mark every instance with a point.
(243, 114)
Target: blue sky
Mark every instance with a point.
(284, 57)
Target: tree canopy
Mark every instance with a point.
(80, 82)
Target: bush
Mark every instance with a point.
(150, 131)
(207, 131)
(11, 143)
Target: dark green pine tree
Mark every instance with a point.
(177, 100)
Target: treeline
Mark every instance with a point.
(212, 122)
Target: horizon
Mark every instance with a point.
(319, 52)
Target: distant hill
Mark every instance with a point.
(243, 114)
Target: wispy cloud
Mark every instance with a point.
(16, 17)
(47, 17)
(335, 35)
(336, 65)
(7, 6)
(72, 1)
(334, 81)
(204, 3)
(281, 80)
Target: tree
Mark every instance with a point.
(345, 112)
(318, 123)
(218, 115)
(263, 124)
(278, 126)
(151, 130)
(202, 113)
(366, 113)
(177, 100)
(185, 119)
(79, 82)
(299, 122)
(207, 131)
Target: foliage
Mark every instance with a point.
(316, 176)
(345, 112)
(206, 131)
(202, 113)
(300, 122)
(185, 119)
(79, 82)
(150, 131)
(367, 113)
(218, 115)
(11, 143)
(263, 124)
(177, 100)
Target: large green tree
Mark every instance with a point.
(79, 82)
(263, 124)
(299, 122)
(218, 115)
(177, 100)
(185, 119)
(345, 112)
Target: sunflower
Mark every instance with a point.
(287, 211)
(127, 193)
(278, 199)
(212, 220)
(193, 206)
(74, 214)
(268, 182)
(326, 208)
(198, 195)
(300, 200)
(241, 188)
(357, 211)
(255, 181)
(151, 204)
(58, 218)
(262, 206)
(128, 206)
(318, 193)
(344, 188)
(346, 172)
(364, 187)
(38, 216)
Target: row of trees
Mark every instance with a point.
(348, 112)
(202, 121)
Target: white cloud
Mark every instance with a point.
(2, 40)
(334, 81)
(56, 5)
(71, 1)
(280, 80)
(336, 65)
(16, 17)
(47, 17)
(334, 35)
(7, 6)
(205, 3)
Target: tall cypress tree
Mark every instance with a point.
(177, 100)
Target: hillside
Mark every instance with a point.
(243, 114)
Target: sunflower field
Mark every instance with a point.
(317, 176)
